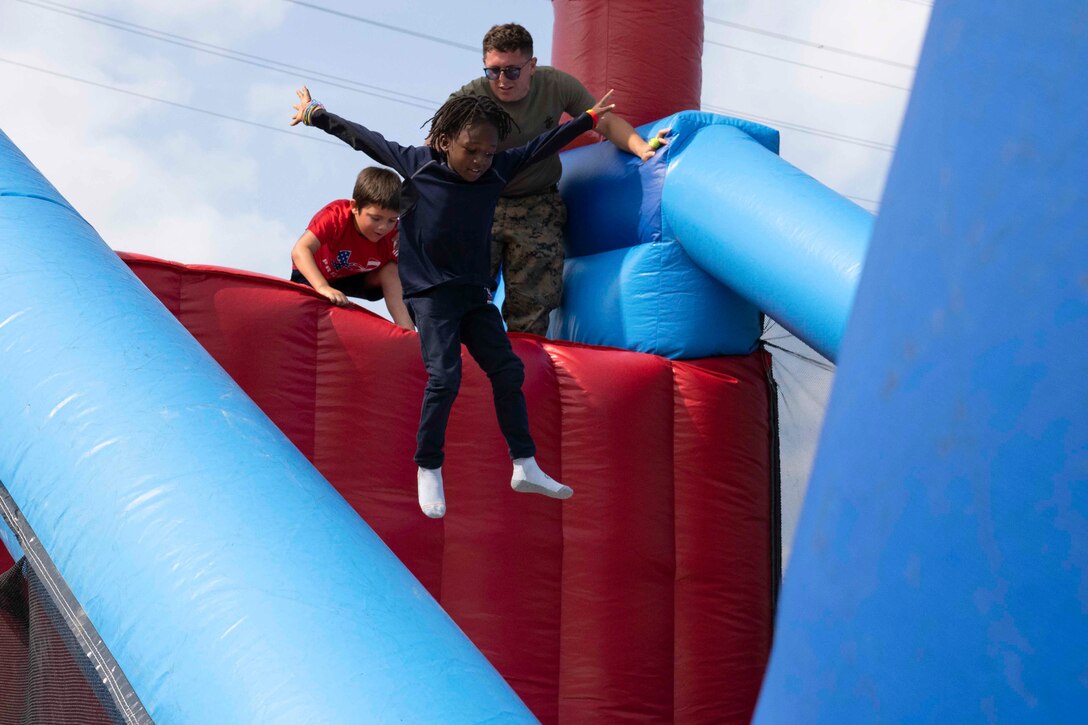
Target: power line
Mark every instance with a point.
(809, 43)
(806, 65)
(169, 103)
(386, 26)
(237, 56)
(805, 129)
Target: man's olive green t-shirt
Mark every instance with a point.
(551, 92)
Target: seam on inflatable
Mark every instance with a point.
(775, 483)
(556, 369)
(19, 195)
(676, 396)
(315, 322)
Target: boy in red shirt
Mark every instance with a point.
(350, 246)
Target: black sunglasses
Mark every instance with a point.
(512, 72)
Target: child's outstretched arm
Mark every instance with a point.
(551, 142)
(302, 254)
(405, 160)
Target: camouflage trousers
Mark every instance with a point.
(527, 242)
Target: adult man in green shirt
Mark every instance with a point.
(527, 236)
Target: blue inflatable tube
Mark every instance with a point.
(777, 236)
(230, 581)
(627, 281)
(757, 233)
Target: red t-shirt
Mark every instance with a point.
(344, 251)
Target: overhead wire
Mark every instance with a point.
(175, 104)
(230, 54)
(806, 65)
(386, 26)
(404, 98)
(804, 129)
(809, 43)
(844, 138)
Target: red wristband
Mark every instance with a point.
(596, 118)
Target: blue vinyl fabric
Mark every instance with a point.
(774, 238)
(231, 582)
(781, 239)
(651, 298)
(940, 569)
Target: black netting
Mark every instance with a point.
(804, 379)
(44, 676)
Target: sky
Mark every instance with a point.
(166, 124)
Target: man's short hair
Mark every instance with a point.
(508, 38)
(377, 187)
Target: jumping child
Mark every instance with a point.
(450, 190)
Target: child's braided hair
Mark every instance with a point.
(461, 111)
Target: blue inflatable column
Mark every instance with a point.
(940, 570)
(231, 582)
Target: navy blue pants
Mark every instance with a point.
(354, 285)
(445, 317)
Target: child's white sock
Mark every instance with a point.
(528, 478)
(431, 499)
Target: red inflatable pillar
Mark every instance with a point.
(651, 53)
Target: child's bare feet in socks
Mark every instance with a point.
(528, 478)
(431, 499)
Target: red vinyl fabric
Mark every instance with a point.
(651, 53)
(647, 597)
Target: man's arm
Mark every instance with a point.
(614, 128)
(626, 138)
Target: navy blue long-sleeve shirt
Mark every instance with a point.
(445, 224)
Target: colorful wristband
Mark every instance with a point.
(308, 112)
(655, 143)
(595, 116)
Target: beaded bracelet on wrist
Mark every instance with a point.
(308, 112)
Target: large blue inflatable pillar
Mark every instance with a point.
(940, 570)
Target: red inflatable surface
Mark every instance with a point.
(650, 53)
(645, 597)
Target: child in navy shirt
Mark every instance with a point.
(448, 198)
